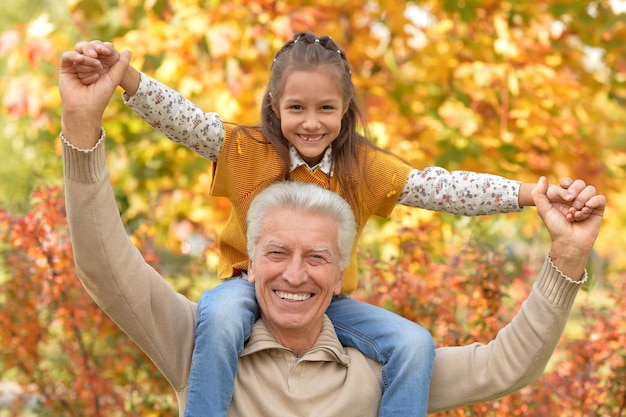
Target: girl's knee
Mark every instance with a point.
(417, 340)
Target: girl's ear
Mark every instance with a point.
(346, 106)
(274, 105)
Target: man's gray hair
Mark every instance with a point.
(308, 198)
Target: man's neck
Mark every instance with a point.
(299, 341)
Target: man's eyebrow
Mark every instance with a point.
(312, 249)
(275, 245)
(322, 249)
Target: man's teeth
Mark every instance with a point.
(293, 297)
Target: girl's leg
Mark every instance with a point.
(226, 314)
(405, 350)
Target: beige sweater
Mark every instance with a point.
(162, 323)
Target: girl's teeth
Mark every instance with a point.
(311, 139)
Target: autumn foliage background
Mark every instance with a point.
(520, 89)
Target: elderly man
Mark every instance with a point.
(298, 240)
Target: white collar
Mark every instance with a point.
(325, 163)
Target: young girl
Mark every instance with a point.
(308, 132)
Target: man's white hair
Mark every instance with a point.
(307, 198)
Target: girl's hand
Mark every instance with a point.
(575, 199)
(99, 57)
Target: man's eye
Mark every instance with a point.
(275, 254)
(318, 259)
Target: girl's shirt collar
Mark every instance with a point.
(325, 164)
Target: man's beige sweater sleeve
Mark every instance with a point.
(517, 357)
(115, 274)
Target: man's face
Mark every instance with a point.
(295, 271)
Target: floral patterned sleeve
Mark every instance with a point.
(179, 119)
(460, 192)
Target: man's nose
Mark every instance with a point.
(295, 272)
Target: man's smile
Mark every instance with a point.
(293, 297)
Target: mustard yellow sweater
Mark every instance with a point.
(248, 163)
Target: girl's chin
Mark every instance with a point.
(311, 156)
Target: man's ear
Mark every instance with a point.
(250, 271)
(338, 285)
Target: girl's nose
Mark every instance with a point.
(311, 122)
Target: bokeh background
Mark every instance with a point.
(515, 88)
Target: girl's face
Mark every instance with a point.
(310, 112)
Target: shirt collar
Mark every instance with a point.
(327, 347)
(325, 164)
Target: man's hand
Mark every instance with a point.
(572, 241)
(84, 105)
